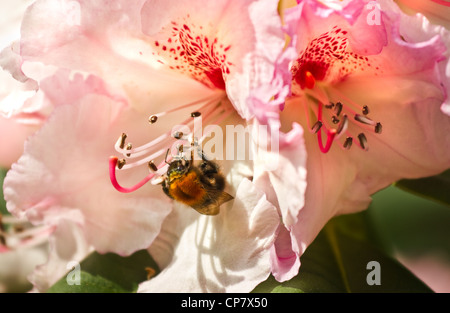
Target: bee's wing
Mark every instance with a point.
(214, 208)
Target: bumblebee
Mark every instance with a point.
(199, 186)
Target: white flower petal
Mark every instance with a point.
(229, 252)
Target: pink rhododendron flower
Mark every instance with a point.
(367, 90)
(102, 69)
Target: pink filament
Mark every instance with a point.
(112, 175)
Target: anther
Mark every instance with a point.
(152, 119)
(129, 147)
(316, 127)
(195, 114)
(364, 119)
(152, 166)
(121, 163)
(122, 139)
(338, 108)
(343, 125)
(180, 148)
(348, 143)
(334, 119)
(362, 140)
(365, 110)
(177, 135)
(329, 106)
(378, 128)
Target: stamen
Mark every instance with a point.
(362, 141)
(378, 128)
(177, 135)
(364, 119)
(316, 127)
(121, 140)
(343, 125)
(152, 119)
(121, 163)
(334, 119)
(206, 100)
(157, 142)
(338, 108)
(365, 110)
(329, 106)
(152, 166)
(129, 147)
(348, 143)
(330, 133)
(212, 110)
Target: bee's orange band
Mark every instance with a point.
(188, 189)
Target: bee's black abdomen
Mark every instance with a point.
(208, 168)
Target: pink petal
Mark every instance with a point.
(229, 252)
(64, 174)
(16, 88)
(10, 23)
(418, 28)
(67, 245)
(14, 141)
(238, 41)
(289, 182)
(285, 261)
(106, 41)
(436, 11)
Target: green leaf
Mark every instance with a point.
(410, 224)
(435, 188)
(337, 261)
(109, 273)
(88, 284)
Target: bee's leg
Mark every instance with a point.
(165, 159)
(203, 155)
(192, 149)
(165, 188)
